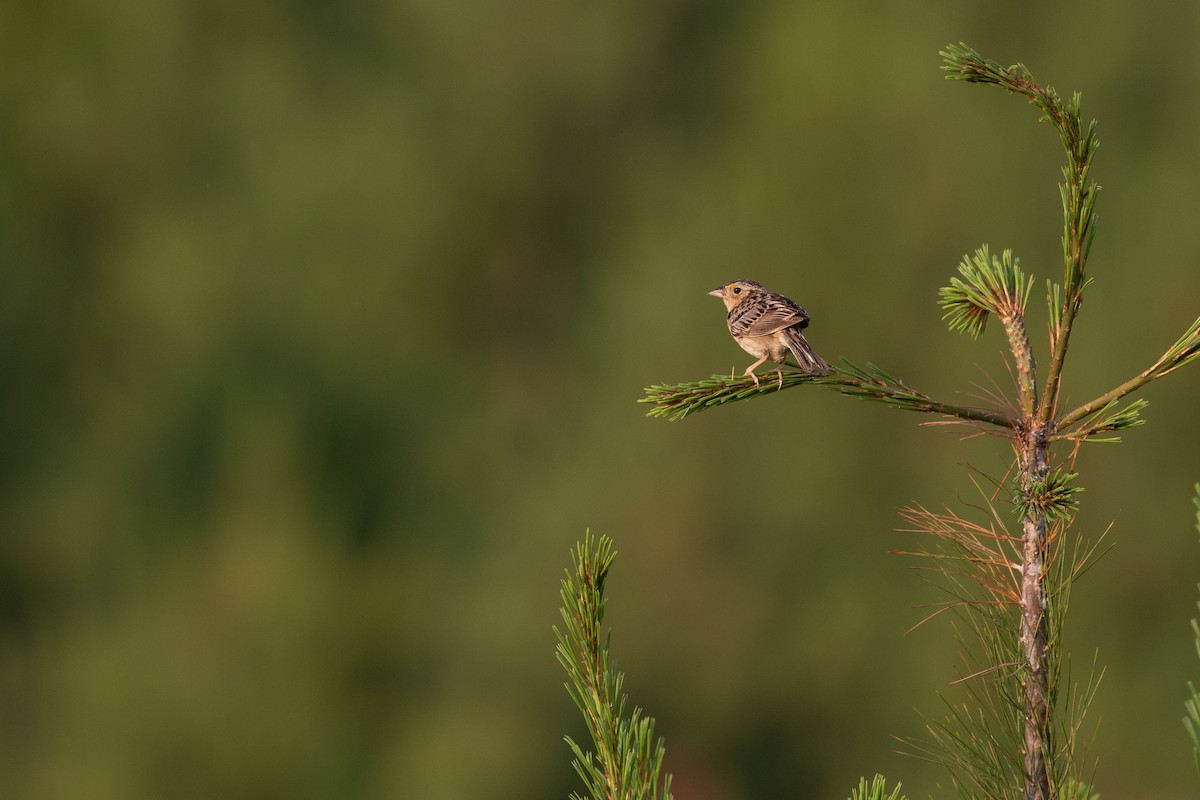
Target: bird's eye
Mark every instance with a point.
(737, 290)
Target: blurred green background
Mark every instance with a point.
(322, 325)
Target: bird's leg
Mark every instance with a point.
(750, 370)
(779, 372)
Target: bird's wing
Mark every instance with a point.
(766, 316)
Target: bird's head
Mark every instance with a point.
(735, 292)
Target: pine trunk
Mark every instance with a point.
(1033, 623)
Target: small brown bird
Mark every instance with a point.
(767, 326)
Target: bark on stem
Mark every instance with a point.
(1034, 643)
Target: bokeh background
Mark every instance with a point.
(322, 327)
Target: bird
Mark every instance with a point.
(767, 325)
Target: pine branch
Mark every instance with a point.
(1078, 190)
(991, 285)
(628, 759)
(1106, 420)
(868, 383)
(1185, 350)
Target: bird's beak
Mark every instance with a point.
(718, 292)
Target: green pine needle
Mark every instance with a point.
(875, 790)
(1053, 496)
(989, 285)
(1077, 790)
(1054, 305)
(1185, 350)
(1128, 417)
(964, 63)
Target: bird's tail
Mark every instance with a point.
(805, 357)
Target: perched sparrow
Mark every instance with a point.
(767, 326)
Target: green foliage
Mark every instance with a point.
(1054, 308)
(1184, 351)
(1080, 142)
(964, 63)
(1192, 706)
(1107, 419)
(628, 760)
(871, 382)
(1192, 721)
(1077, 790)
(989, 285)
(1078, 194)
(971, 559)
(876, 790)
(677, 401)
(1052, 496)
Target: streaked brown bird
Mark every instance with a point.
(767, 326)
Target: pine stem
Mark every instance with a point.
(1018, 341)
(677, 401)
(1034, 622)
(1185, 350)
(1078, 198)
(1086, 410)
